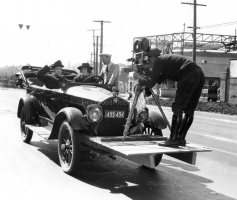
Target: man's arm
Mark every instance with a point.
(114, 74)
(150, 81)
(161, 79)
(41, 74)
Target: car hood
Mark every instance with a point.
(89, 92)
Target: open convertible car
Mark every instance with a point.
(90, 116)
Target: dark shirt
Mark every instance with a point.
(169, 66)
(51, 81)
(80, 78)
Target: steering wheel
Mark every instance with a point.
(94, 78)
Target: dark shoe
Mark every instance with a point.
(182, 142)
(173, 140)
(169, 143)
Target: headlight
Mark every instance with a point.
(142, 116)
(94, 113)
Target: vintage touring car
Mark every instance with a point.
(91, 117)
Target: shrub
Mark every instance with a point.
(214, 107)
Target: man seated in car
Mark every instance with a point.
(85, 72)
(52, 81)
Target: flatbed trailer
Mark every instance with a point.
(142, 149)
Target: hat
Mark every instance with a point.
(106, 54)
(85, 65)
(57, 64)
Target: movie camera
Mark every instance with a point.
(143, 54)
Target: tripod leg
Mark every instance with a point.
(130, 115)
(161, 110)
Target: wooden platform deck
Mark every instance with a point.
(137, 147)
(140, 149)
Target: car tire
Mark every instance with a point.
(26, 134)
(150, 130)
(68, 148)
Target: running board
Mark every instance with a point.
(42, 131)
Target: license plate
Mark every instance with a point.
(114, 114)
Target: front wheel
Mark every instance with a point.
(26, 134)
(68, 148)
(150, 130)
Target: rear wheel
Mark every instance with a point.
(150, 130)
(68, 148)
(26, 134)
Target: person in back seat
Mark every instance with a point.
(85, 72)
(52, 81)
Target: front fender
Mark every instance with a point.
(73, 115)
(157, 119)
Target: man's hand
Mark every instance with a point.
(50, 66)
(142, 79)
(148, 91)
(135, 75)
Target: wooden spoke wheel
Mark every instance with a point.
(26, 134)
(68, 148)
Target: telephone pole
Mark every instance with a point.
(182, 47)
(97, 70)
(93, 44)
(101, 37)
(194, 25)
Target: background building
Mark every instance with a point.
(213, 54)
(7, 75)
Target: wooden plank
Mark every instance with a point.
(134, 138)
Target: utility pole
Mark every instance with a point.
(194, 25)
(182, 47)
(93, 43)
(97, 71)
(101, 38)
(91, 58)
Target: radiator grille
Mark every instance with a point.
(113, 126)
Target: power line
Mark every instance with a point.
(217, 25)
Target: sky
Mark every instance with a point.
(59, 29)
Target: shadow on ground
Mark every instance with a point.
(170, 180)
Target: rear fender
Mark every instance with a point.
(20, 106)
(157, 119)
(29, 103)
(73, 115)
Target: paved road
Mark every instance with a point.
(33, 171)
